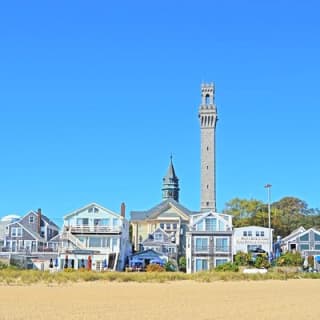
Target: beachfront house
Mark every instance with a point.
(95, 238)
(209, 241)
(32, 234)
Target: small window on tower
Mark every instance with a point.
(207, 148)
(207, 203)
(207, 99)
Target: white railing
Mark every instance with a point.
(92, 229)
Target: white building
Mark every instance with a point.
(209, 241)
(248, 238)
(94, 238)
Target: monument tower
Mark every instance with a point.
(208, 119)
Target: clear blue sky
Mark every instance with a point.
(95, 95)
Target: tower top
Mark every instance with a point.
(170, 183)
(207, 95)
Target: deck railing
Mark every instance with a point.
(92, 229)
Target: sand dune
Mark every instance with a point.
(292, 299)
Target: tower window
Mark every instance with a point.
(207, 148)
(207, 99)
(207, 186)
(207, 167)
(207, 203)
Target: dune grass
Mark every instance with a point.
(26, 277)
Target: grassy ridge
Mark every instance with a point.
(19, 277)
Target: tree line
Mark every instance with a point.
(287, 214)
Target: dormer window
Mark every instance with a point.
(31, 219)
(158, 236)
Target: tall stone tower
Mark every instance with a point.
(170, 184)
(208, 119)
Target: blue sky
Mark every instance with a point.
(94, 96)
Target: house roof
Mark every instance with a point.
(92, 204)
(218, 216)
(152, 242)
(162, 206)
(294, 233)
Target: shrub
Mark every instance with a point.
(261, 262)
(183, 264)
(289, 259)
(242, 258)
(154, 268)
(169, 266)
(227, 267)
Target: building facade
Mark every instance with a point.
(32, 233)
(208, 119)
(94, 238)
(250, 238)
(209, 241)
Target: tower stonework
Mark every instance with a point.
(208, 119)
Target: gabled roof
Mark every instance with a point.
(150, 253)
(166, 238)
(45, 219)
(218, 216)
(294, 233)
(156, 210)
(92, 204)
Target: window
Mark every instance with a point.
(249, 233)
(114, 244)
(90, 210)
(16, 232)
(82, 221)
(244, 233)
(316, 237)
(222, 244)
(317, 247)
(174, 226)
(94, 242)
(304, 247)
(171, 250)
(200, 226)
(115, 222)
(158, 236)
(162, 226)
(257, 233)
(95, 210)
(201, 244)
(221, 261)
(201, 264)
(262, 233)
(211, 224)
(305, 237)
(31, 219)
(168, 226)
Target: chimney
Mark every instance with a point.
(123, 210)
(39, 221)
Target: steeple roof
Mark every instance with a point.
(171, 174)
(170, 184)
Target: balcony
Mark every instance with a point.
(81, 229)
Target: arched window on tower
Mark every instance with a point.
(207, 99)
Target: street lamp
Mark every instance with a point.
(268, 187)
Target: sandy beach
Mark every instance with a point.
(292, 299)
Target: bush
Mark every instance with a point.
(169, 266)
(154, 268)
(183, 264)
(261, 262)
(289, 259)
(227, 267)
(242, 258)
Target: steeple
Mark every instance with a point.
(170, 184)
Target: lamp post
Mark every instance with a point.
(268, 187)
